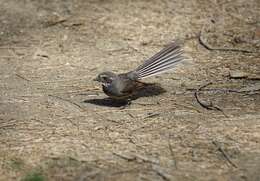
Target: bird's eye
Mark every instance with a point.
(106, 79)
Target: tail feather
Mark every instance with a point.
(159, 70)
(166, 50)
(162, 61)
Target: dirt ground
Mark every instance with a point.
(56, 123)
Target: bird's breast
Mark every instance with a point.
(114, 92)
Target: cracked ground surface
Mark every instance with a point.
(52, 125)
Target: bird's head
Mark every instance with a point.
(105, 78)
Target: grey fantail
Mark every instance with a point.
(123, 86)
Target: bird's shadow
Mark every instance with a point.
(147, 91)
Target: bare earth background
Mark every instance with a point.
(53, 127)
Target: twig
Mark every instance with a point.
(152, 115)
(224, 90)
(145, 104)
(187, 107)
(89, 175)
(127, 158)
(225, 155)
(74, 124)
(145, 159)
(135, 157)
(73, 103)
(204, 105)
(159, 171)
(119, 110)
(18, 75)
(172, 154)
(130, 114)
(7, 126)
(134, 170)
(208, 47)
(8, 47)
(208, 106)
(53, 23)
(107, 119)
(155, 167)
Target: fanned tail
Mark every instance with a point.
(161, 62)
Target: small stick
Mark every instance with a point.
(130, 114)
(135, 157)
(127, 158)
(224, 154)
(159, 171)
(209, 106)
(73, 103)
(107, 119)
(188, 107)
(204, 105)
(53, 23)
(145, 104)
(145, 159)
(7, 126)
(172, 154)
(18, 75)
(208, 47)
(152, 115)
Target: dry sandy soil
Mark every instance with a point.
(56, 123)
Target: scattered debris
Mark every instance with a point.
(22, 77)
(127, 158)
(151, 115)
(208, 47)
(55, 20)
(73, 22)
(160, 171)
(172, 154)
(66, 100)
(208, 106)
(253, 77)
(252, 88)
(225, 155)
(203, 104)
(136, 157)
(40, 53)
(237, 74)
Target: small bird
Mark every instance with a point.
(123, 86)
